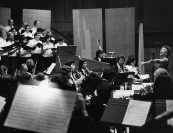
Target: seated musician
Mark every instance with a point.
(47, 52)
(27, 32)
(130, 67)
(75, 75)
(99, 55)
(119, 67)
(83, 68)
(37, 47)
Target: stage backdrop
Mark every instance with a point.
(44, 16)
(87, 28)
(5, 14)
(120, 31)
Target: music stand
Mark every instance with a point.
(66, 50)
(123, 76)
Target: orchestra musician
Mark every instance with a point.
(119, 66)
(99, 55)
(83, 68)
(76, 77)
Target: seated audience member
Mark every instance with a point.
(83, 68)
(119, 67)
(60, 43)
(99, 55)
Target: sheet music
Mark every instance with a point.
(136, 113)
(38, 109)
(52, 66)
(144, 76)
(2, 103)
(137, 86)
(169, 106)
(122, 93)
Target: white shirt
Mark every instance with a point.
(47, 50)
(4, 43)
(59, 45)
(8, 28)
(132, 69)
(34, 30)
(27, 34)
(24, 53)
(15, 53)
(32, 44)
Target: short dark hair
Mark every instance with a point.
(68, 63)
(130, 59)
(35, 22)
(121, 57)
(98, 52)
(168, 50)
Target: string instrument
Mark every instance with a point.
(99, 44)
